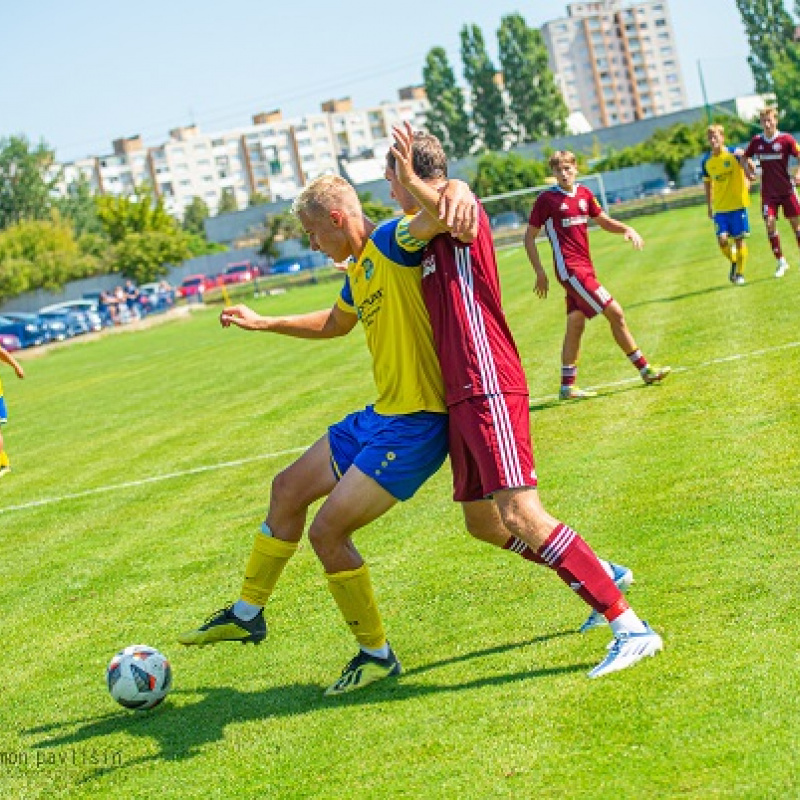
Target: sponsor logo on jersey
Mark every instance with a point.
(573, 221)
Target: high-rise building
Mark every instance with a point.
(273, 157)
(616, 61)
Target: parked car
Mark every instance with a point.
(196, 285)
(506, 219)
(65, 322)
(9, 342)
(87, 307)
(296, 263)
(241, 272)
(28, 328)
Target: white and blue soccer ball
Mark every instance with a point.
(139, 677)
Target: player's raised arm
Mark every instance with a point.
(450, 204)
(323, 324)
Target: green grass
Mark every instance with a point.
(693, 484)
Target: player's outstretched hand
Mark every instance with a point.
(242, 316)
(542, 285)
(633, 237)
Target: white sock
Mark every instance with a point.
(246, 611)
(627, 622)
(380, 652)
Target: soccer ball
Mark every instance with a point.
(139, 677)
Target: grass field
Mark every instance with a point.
(141, 470)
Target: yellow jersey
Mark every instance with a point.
(384, 288)
(729, 187)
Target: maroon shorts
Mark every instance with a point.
(490, 446)
(789, 204)
(586, 294)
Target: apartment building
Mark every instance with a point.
(616, 61)
(273, 157)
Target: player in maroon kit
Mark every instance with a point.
(773, 150)
(487, 398)
(564, 212)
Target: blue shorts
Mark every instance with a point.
(3, 412)
(732, 223)
(398, 452)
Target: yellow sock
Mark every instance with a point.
(4, 462)
(741, 258)
(264, 567)
(352, 591)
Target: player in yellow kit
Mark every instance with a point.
(728, 196)
(12, 362)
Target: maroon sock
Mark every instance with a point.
(577, 565)
(519, 547)
(775, 244)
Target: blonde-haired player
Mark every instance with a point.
(727, 197)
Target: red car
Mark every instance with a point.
(195, 284)
(240, 272)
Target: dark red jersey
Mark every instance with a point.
(565, 219)
(461, 287)
(773, 155)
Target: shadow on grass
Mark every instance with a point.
(182, 733)
(610, 391)
(724, 287)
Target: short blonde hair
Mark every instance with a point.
(324, 194)
(716, 129)
(561, 157)
(769, 111)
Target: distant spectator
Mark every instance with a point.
(107, 306)
(166, 294)
(133, 299)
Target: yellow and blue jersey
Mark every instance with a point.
(384, 287)
(729, 187)
(3, 412)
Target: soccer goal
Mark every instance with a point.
(509, 212)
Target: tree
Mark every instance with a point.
(41, 254)
(497, 173)
(194, 216)
(447, 119)
(227, 202)
(488, 109)
(281, 227)
(121, 216)
(536, 105)
(786, 79)
(79, 208)
(25, 187)
(770, 31)
(376, 209)
(257, 199)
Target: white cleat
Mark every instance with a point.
(783, 265)
(623, 578)
(626, 649)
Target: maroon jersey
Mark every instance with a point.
(773, 155)
(565, 219)
(461, 287)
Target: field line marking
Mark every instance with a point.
(154, 479)
(242, 461)
(700, 365)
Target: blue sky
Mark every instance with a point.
(79, 74)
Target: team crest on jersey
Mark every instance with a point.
(582, 205)
(776, 146)
(564, 207)
(428, 266)
(369, 268)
